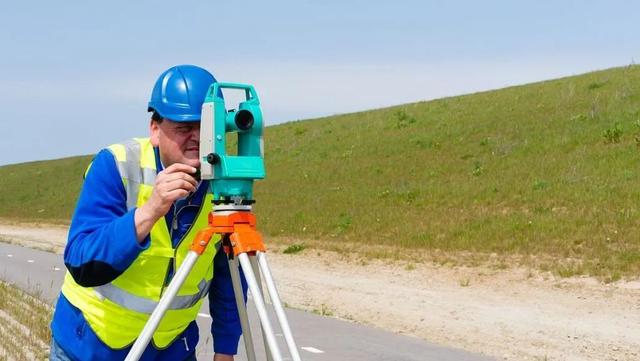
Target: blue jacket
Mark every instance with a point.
(102, 244)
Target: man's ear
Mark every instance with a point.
(154, 131)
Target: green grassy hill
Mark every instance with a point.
(43, 190)
(545, 173)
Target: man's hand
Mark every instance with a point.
(222, 357)
(173, 183)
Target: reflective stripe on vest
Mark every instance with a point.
(131, 169)
(118, 311)
(145, 305)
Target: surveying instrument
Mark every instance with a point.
(231, 181)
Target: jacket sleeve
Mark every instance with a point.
(225, 324)
(102, 238)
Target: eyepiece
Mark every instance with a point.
(244, 119)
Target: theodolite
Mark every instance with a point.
(231, 178)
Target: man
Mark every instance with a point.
(139, 209)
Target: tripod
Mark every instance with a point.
(244, 247)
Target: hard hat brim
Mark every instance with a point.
(177, 117)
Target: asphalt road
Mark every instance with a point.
(319, 338)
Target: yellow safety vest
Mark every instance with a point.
(118, 311)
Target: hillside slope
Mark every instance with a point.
(43, 190)
(545, 170)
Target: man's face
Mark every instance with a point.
(179, 142)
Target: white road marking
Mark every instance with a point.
(30, 261)
(312, 349)
(205, 315)
(56, 268)
(9, 255)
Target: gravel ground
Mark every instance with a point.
(512, 314)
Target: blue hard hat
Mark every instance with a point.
(179, 93)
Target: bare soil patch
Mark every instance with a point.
(511, 314)
(46, 237)
(514, 314)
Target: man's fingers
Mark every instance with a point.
(164, 189)
(174, 182)
(179, 167)
(176, 194)
(171, 177)
(180, 183)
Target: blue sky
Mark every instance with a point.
(76, 76)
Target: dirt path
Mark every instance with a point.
(44, 237)
(512, 314)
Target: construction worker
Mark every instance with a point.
(140, 207)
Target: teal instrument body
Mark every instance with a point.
(231, 175)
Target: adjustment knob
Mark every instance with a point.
(213, 158)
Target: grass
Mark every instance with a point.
(543, 173)
(43, 190)
(545, 170)
(24, 321)
(324, 310)
(294, 248)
